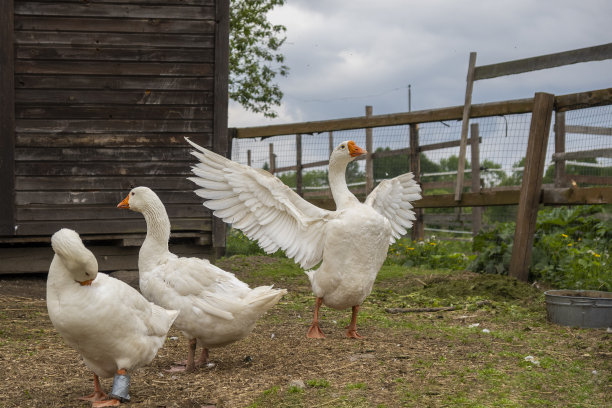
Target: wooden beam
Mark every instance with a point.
(298, 164)
(475, 162)
(418, 227)
(516, 106)
(464, 125)
(531, 188)
(560, 132)
(596, 53)
(369, 166)
(7, 119)
(589, 130)
(221, 99)
(582, 100)
(584, 154)
(493, 197)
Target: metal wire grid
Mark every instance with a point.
(502, 149)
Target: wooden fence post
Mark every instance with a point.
(7, 119)
(418, 227)
(272, 158)
(467, 106)
(369, 168)
(560, 148)
(475, 149)
(298, 164)
(531, 187)
(331, 143)
(249, 157)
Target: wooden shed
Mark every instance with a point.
(97, 96)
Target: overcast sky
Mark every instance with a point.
(345, 54)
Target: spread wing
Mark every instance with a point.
(261, 206)
(392, 198)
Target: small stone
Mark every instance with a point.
(297, 384)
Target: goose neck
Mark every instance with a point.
(155, 245)
(337, 183)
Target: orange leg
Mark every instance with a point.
(314, 332)
(203, 358)
(98, 394)
(351, 330)
(189, 365)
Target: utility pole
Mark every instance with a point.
(409, 99)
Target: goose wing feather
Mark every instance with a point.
(261, 206)
(393, 199)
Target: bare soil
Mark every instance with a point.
(276, 365)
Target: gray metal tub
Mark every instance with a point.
(579, 308)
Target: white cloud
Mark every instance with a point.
(345, 54)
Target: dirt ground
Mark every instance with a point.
(39, 370)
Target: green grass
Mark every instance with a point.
(469, 368)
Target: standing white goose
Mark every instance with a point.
(216, 308)
(351, 242)
(107, 321)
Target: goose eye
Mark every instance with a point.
(342, 146)
(133, 193)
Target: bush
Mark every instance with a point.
(430, 253)
(571, 249)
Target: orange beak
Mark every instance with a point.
(355, 150)
(87, 282)
(125, 203)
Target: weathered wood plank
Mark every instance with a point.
(531, 188)
(110, 125)
(589, 130)
(113, 82)
(584, 195)
(465, 119)
(101, 212)
(221, 137)
(134, 2)
(583, 100)
(405, 118)
(113, 25)
(583, 154)
(119, 39)
(518, 106)
(116, 97)
(150, 112)
(105, 53)
(60, 198)
(93, 154)
(7, 119)
(134, 169)
(596, 53)
(121, 183)
(115, 226)
(184, 12)
(108, 139)
(110, 258)
(172, 69)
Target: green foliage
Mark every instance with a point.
(430, 253)
(318, 383)
(239, 244)
(255, 60)
(571, 249)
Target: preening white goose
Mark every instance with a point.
(216, 308)
(351, 242)
(107, 321)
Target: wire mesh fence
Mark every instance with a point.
(502, 150)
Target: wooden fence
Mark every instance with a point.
(528, 196)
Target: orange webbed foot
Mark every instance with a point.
(108, 403)
(314, 332)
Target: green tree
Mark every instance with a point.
(255, 59)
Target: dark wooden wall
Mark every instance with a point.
(104, 93)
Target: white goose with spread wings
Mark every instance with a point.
(351, 243)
